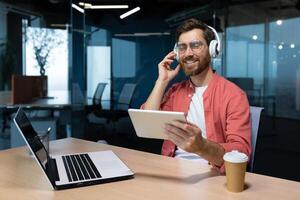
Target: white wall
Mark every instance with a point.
(98, 69)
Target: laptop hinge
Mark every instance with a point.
(51, 169)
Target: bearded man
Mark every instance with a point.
(218, 113)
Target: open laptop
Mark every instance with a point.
(71, 170)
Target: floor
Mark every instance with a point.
(277, 153)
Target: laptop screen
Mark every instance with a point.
(31, 137)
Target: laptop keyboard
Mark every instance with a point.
(80, 167)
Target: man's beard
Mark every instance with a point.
(202, 65)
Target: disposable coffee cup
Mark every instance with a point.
(235, 167)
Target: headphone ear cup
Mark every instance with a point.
(177, 56)
(213, 48)
(176, 51)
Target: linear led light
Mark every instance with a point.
(91, 6)
(84, 4)
(130, 12)
(77, 8)
(60, 25)
(106, 7)
(141, 34)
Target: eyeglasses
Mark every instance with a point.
(195, 45)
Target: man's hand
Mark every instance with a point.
(188, 137)
(185, 135)
(165, 73)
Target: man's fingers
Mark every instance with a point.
(191, 124)
(168, 60)
(176, 131)
(189, 128)
(174, 138)
(181, 126)
(172, 54)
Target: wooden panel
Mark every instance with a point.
(26, 88)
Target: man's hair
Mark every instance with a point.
(191, 24)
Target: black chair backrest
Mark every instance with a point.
(98, 93)
(126, 96)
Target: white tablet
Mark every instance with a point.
(150, 123)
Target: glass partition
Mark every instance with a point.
(267, 54)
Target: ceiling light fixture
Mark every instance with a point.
(107, 7)
(141, 34)
(254, 37)
(91, 6)
(85, 4)
(60, 25)
(279, 22)
(292, 46)
(130, 12)
(77, 8)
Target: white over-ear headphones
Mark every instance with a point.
(175, 49)
(214, 45)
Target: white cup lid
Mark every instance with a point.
(235, 157)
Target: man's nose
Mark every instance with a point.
(189, 51)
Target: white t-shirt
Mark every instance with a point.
(195, 116)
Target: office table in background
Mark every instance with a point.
(56, 98)
(156, 177)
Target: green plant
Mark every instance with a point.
(43, 42)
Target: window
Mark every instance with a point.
(48, 49)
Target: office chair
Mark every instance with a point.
(125, 96)
(96, 106)
(98, 94)
(124, 102)
(95, 109)
(104, 117)
(255, 120)
(121, 106)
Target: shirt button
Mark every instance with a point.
(190, 95)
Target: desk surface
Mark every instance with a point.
(56, 98)
(156, 177)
